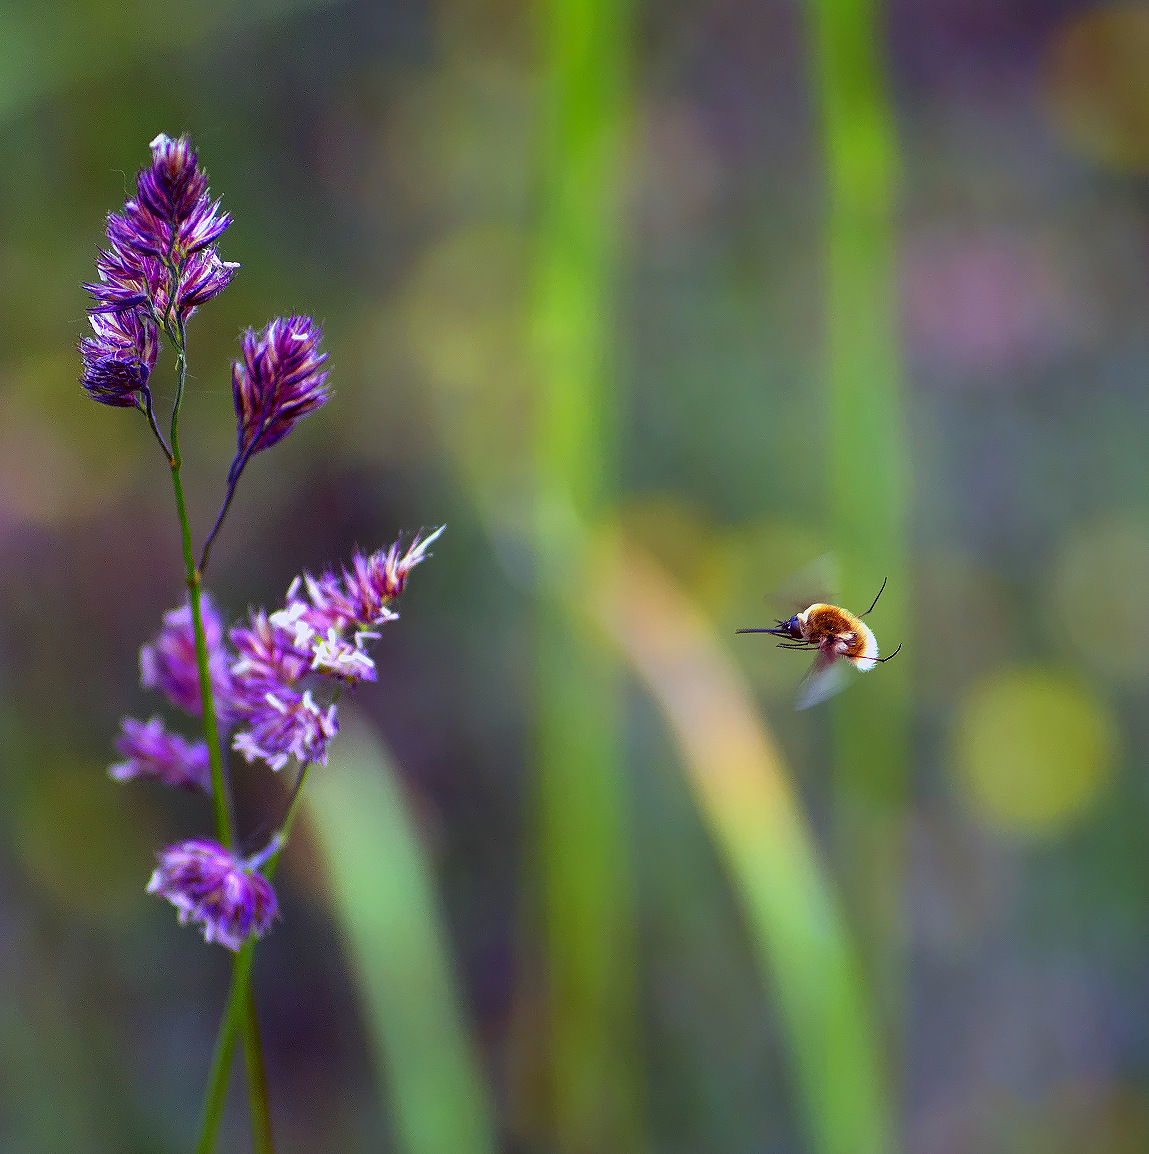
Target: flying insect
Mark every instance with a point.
(837, 638)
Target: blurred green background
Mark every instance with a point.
(657, 307)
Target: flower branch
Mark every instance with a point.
(274, 681)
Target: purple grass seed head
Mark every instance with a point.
(161, 255)
(128, 280)
(171, 216)
(284, 724)
(332, 655)
(173, 184)
(203, 276)
(266, 654)
(316, 629)
(169, 662)
(119, 358)
(209, 885)
(152, 752)
(374, 581)
(279, 379)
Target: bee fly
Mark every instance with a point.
(834, 635)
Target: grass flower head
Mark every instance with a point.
(150, 751)
(209, 885)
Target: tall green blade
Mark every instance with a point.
(383, 892)
(742, 789)
(586, 877)
(867, 462)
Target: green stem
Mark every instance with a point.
(244, 1008)
(178, 337)
(292, 811)
(237, 1009)
(256, 1077)
(867, 463)
(240, 1012)
(219, 793)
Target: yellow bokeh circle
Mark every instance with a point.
(1033, 748)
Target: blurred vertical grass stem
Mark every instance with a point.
(384, 891)
(587, 897)
(215, 1091)
(741, 786)
(867, 467)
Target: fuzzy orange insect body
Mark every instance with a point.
(835, 635)
(838, 633)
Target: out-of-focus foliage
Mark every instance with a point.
(380, 887)
(960, 271)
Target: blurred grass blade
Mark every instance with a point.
(867, 466)
(588, 891)
(384, 895)
(867, 451)
(583, 847)
(741, 786)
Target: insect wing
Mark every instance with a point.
(817, 580)
(826, 677)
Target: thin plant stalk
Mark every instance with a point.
(261, 1137)
(867, 467)
(744, 793)
(233, 476)
(149, 412)
(220, 792)
(221, 803)
(218, 522)
(586, 875)
(233, 1016)
(239, 1009)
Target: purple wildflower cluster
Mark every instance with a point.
(273, 678)
(159, 265)
(119, 359)
(169, 663)
(265, 685)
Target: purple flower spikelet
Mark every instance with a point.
(374, 581)
(321, 630)
(152, 752)
(266, 654)
(282, 723)
(171, 216)
(333, 606)
(169, 663)
(208, 884)
(279, 379)
(119, 358)
(161, 260)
